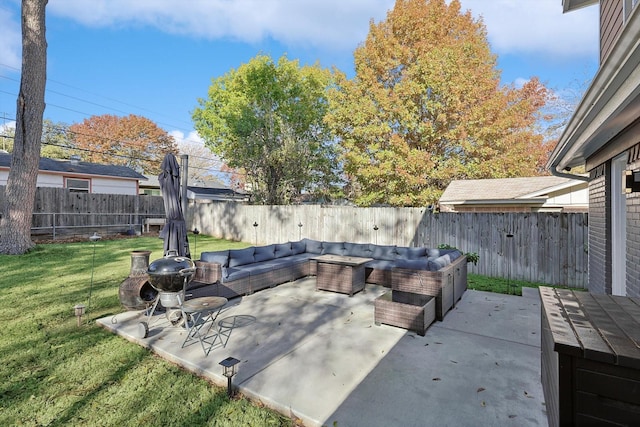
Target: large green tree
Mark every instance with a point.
(266, 118)
(426, 106)
(17, 208)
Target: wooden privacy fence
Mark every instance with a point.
(57, 212)
(545, 247)
(537, 247)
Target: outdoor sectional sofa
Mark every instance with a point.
(441, 273)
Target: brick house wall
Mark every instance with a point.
(633, 238)
(599, 231)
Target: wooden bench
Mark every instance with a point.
(590, 358)
(154, 221)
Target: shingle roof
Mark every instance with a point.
(502, 188)
(85, 168)
(208, 191)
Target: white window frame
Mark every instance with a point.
(618, 227)
(627, 7)
(77, 189)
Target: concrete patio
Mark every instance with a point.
(318, 356)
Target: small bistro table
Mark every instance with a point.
(202, 312)
(337, 273)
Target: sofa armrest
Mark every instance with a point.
(207, 272)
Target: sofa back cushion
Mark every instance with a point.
(312, 246)
(221, 257)
(412, 264)
(283, 250)
(298, 247)
(361, 250)
(241, 256)
(435, 264)
(264, 253)
(387, 253)
(333, 248)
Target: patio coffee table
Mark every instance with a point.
(337, 273)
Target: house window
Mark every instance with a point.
(76, 185)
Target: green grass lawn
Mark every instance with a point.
(499, 285)
(54, 373)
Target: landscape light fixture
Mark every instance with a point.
(79, 311)
(195, 238)
(255, 227)
(229, 370)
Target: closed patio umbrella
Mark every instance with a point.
(174, 231)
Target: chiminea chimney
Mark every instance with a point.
(75, 159)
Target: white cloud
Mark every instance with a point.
(514, 26)
(191, 139)
(538, 26)
(319, 23)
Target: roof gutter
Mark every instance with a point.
(610, 104)
(556, 172)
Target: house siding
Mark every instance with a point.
(599, 231)
(611, 23)
(633, 239)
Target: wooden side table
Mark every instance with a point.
(590, 358)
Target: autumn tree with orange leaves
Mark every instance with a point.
(132, 141)
(426, 106)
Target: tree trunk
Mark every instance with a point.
(15, 226)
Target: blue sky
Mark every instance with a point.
(155, 58)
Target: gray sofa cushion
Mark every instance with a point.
(412, 264)
(298, 247)
(454, 254)
(300, 257)
(411, 253)
(385, 253)
(312, 246)
(229, 274)
(358, 249)
(435, 264)
(333, 248)
(283, 250)
(433, 253)
(258, 267)
(241, 256)
(381, 264)
(221, 257)
(284, 262)
(264, 253)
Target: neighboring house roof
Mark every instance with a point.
(213, 193)
(505, 190)
(212, 190)
(79, 168)
(610, 104)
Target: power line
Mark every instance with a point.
(76, 98)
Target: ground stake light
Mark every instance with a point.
(79, 311)
(229, 370)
